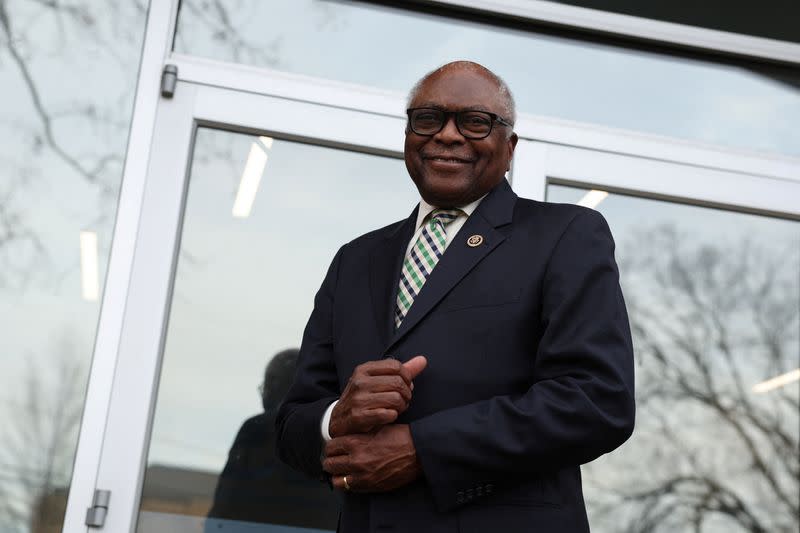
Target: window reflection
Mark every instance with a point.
(714, 299)
(254, 486)
(244, 289)
(67, 79)
(556, 77)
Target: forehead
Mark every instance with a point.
(459, 89)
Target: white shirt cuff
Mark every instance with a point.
(326, 422)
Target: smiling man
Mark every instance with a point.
(459, 366)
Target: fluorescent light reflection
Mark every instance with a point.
(592, 198)
(251, 177)
(777, 382)
(90, 280)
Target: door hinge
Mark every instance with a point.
(169, 78)
(96, 514)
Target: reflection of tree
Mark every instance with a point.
(52, 135)
(233, 30)
(37, 446)
(224, 20)
(21, 50)
(67, 72)
(709, 454)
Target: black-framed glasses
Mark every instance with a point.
(472, 124)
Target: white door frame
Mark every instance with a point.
(539, 163)
(122, 459)
(133, 394)
(158, 37)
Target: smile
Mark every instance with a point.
(449, 160)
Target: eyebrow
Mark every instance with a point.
(431, 105)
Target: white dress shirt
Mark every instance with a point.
(451, 230)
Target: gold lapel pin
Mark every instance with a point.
(475, 240)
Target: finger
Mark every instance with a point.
(384, 367)
(384, 400)
(389, 384)
(337, 465)
(338, 446)
(338, 483)
(371, 418)
(385, 383)
(415, 366)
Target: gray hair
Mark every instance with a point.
(507, 99)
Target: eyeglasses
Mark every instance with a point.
(471, 124)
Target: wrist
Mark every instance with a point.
(327, 422)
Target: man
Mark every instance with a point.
(467, 360)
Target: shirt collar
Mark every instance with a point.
(425, 209)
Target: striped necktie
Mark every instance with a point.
(421, 259)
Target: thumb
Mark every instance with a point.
(415, 365)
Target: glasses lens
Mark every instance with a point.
(475, 123)
(426, 121)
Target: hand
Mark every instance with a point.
(376, 462)
(375, 395)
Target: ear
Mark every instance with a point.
(512, 143)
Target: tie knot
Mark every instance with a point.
(445, 216)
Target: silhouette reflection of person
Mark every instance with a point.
(255, 486)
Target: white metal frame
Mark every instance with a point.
(121, 393)
(157, 41)
(539, 163)
(350, 96)
(133, 395)
(632, 26)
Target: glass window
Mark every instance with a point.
(714, 299)
(391, 48)
(263, 219)
(67, 77)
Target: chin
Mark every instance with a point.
(444, 192)
(446, 199)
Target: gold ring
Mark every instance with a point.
(346, 484)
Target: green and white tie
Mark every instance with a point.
(421, 259)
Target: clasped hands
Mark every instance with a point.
(374, 453)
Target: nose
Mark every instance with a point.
(449, 133)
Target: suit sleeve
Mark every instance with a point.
(299, 442)
(581, 404)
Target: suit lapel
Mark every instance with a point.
(386, 259)
(459, 259)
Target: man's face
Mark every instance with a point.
(448, 169)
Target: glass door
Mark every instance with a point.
(248, 198)
(246, 201)
(713, 296)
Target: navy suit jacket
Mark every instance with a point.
(530, 367)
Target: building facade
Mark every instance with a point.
(159, 161)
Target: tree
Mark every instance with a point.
(38, 442)
(708, 454)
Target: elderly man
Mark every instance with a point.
(459, 366)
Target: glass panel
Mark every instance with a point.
(252, 255)
(714, 300)
(67, 77)
(549, 76)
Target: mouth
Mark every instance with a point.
(448, 159)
